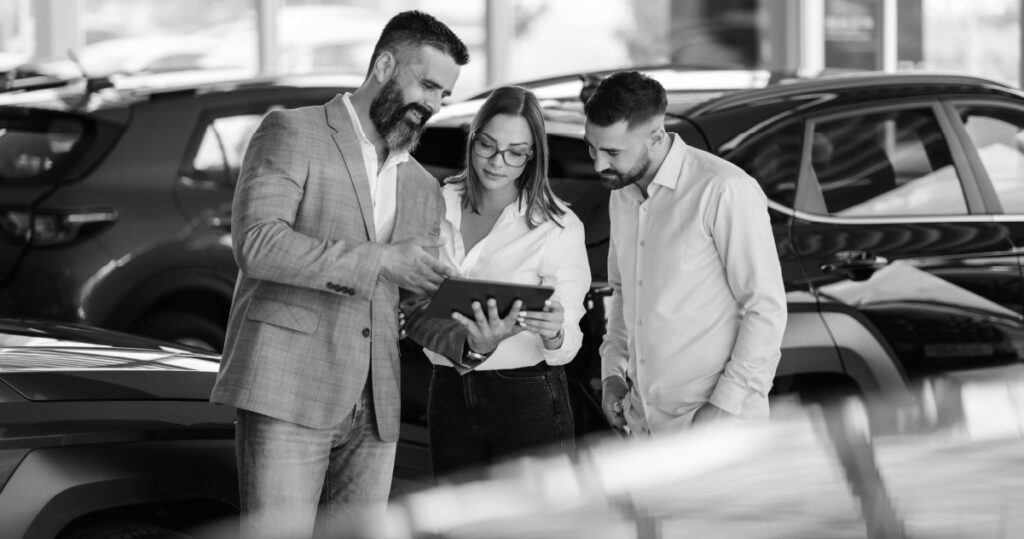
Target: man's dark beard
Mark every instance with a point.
(390, 118)
(611, 179)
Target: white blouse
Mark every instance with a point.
(548, 255)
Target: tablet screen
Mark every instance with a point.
(458, 294)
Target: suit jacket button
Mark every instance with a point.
(366, 332)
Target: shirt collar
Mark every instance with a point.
(671, 168)
(399, 157)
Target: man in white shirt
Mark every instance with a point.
(698, 306)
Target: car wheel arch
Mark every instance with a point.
(202, 294)
(107, 483)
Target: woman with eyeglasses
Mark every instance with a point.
(504, 223)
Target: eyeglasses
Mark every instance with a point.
(484, 146)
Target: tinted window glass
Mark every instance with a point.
(41, 148)
(998, 135)
(219, 157)
(892, 163)
(442, 151)
(774, 161)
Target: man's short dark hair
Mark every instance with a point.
(626, 95)
(416, 29)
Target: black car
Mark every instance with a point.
(897, 203)
(115, 200)
(106, 434)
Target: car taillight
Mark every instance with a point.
(9, 461)
(44, 228)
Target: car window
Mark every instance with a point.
(219, 157)
(998, 135)
(774, 161)
(442, 150)
(891, 163)
(40, 148)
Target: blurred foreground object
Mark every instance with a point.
(947, 464)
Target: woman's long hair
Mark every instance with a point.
(533, 184)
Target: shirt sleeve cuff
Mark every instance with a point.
(729, 396)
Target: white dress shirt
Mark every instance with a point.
(547, 255)
(698, 306)
(383, 182)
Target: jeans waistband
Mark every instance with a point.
(539, 368)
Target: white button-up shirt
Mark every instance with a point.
(547, 255)
(383, 182)
(698, 307)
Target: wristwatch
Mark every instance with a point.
(469, 356)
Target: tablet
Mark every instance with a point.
(458, 294)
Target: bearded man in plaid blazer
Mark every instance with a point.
(331, 217)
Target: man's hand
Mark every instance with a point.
(613, 393)
(709, 412)
(409, 265)
(486, 331)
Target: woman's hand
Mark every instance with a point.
(486, 331)
(546, 323)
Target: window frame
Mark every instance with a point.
(986, 188)
(809, 199)
(218, 106)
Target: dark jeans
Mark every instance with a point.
(485, 416)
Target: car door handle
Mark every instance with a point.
(854, 261)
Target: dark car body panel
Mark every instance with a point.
(100, 426)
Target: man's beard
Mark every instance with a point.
(391, 118)
(612, 179)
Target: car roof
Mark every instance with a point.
(123, 91)
(867, 85)
(674, 77)
(565, 116)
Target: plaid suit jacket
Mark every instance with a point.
(311, 318)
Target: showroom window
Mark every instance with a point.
(998, 135)
(885, 164)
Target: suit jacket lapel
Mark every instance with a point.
(348, 143)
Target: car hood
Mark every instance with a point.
(84, 357)
(106, 373)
